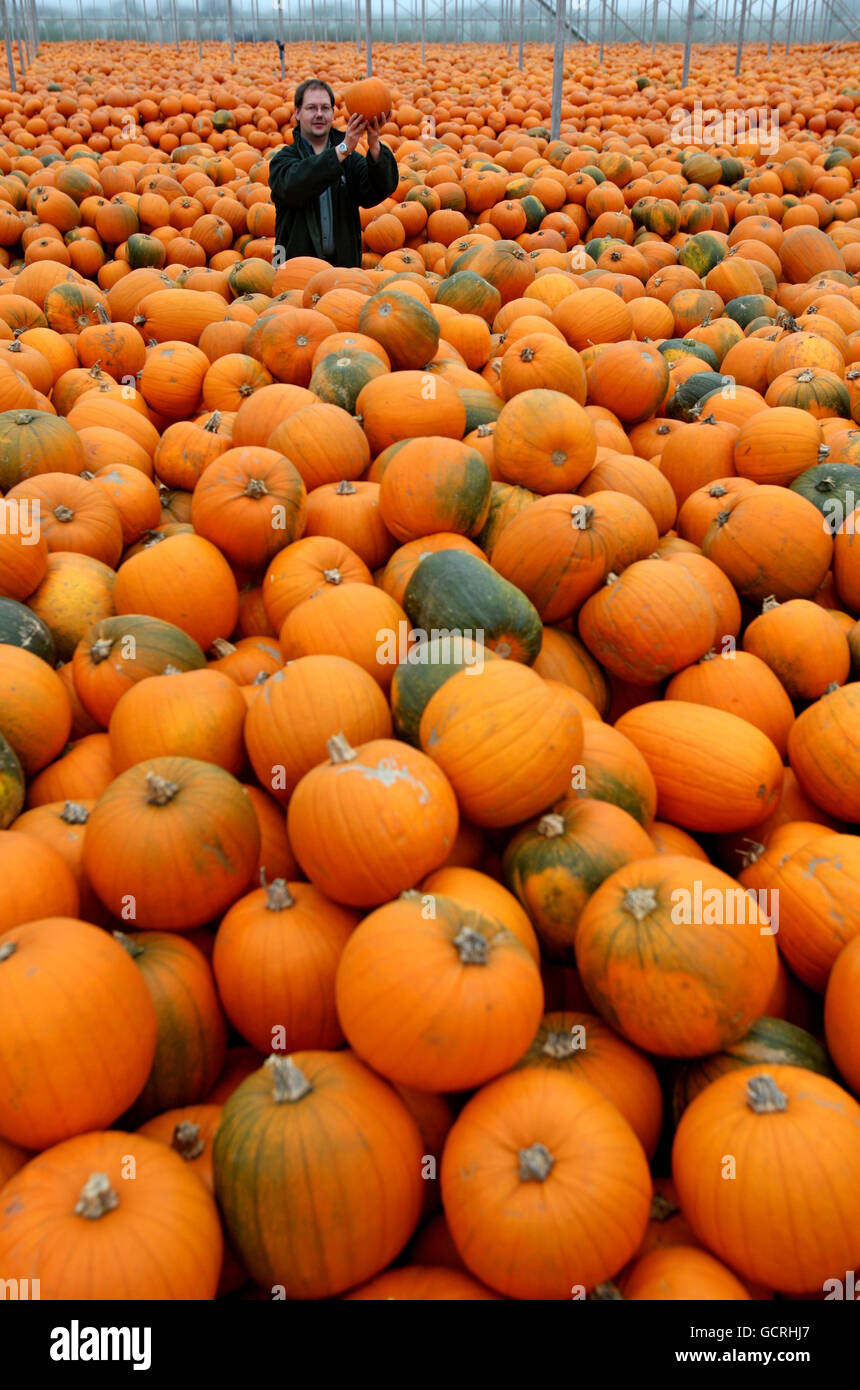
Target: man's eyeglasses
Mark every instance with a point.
(317, 110)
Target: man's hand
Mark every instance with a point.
(373, 131)
(354, 131)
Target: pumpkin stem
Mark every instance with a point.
(805, 374)
(770, 602)
(261, 677)
(662, 429)
(74, 814)
(764, 1096)
(15, 346)
(213, 424)
(97, 1197)
(604, 1292)
(718, 490)
(256, 488)
(527, 354)
(158, 790)
(187, 1140)
(333, 576)
(536, 1163)
(64, 513)
(662, 1208)
(709, 656)
(170, 670)
(133, 948)
(639, 902)
(612, 577)
(86, 475)
(290, 1083)
(7, 949)
(559, 1046)
(474, 948)
(753, 854)
(551, 825)
(834, 685)
(339, 750)
(100, 650)
(278, 895)
(823, 453)
(345, 488)
(486, 429)
(101, 314)
(222, 647)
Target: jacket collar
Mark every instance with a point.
(304, 147)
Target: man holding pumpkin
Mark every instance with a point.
(319, 182)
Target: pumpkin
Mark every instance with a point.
(191, 1034)
(554, 865)
(428, 664)
(184, 580)
(339, 376)
(778, 445)
(544, 441)
(659, 928)
(304, 569)
(681, 1274)
(714, 771)
(250, 503)
(192, 714)
(785, 635)
(581, 1045)
(21, 627)
(770, 541)
(408, 404)
(439, 1032)
(348, 512)
(70, 1218)
(648, 622)
(35, 714)
(633, 476)
(322, 443)
(81, 772)
(369, 98)
(611, 768)
(471, 889)
(562, 657)
(769, 1042)
(741, 684)
(34, 442)
(190, 816)
(704, 504)
(839, 1013)
(23, 551)
(357, 621)
(117, 653)
(505, 739)
(453, 592)
(372, 821)
(63, 979)
(433, 485)
(276, 956)
(824, 752)
(796, 1187)
(11, 785)
(404, 327)
(37, 880)
(532, 1164)
(188, 1131)
(831, 488)
(362, 1137)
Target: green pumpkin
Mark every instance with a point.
(534, 210)
(481, 406)
(594, 173)
(660, 216)
(454, 591)
(223, 120)
(836, 157)
(731, 170)
(507, 500)
(746, 307)
(469, 293)
(418, 678)
(834, 488)
(675, 348)
(144, 251)
(686, 403)
(770, 1042)
(642, 83)
(11, 785)
(339, 376)
(701, 253)
(598, 244)
(21, 627)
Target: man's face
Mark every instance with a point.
(316, 114)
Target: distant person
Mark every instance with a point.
(319, 182)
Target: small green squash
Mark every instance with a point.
(701, 253)
(452, 591)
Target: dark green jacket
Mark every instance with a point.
(297, 177)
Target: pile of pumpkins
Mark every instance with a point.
(430, 715)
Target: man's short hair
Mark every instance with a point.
(299, 96)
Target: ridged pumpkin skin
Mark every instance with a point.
(668, 982)
(790, 1219)
(741, 684)
(320, 695)
(681, 1274)
(805, 651)
(193, 714)
(158, 1237)
(611, 768)
(192, 1035)
(824, 751)
(62, 980)
(582, 1045)
(714, 771)
(648, 622)
(452, 591)
(505, 740)
(817, 876)
(295, 1139)
(770, 541)
(471, 889)
(428, 665)
(35, 714)
(422, 1283)
(555, 864)
(433, 485)
(770, 1042)
(544, 441)
(196, 840)
(372, 821)
(533, 1166)
(435, 995)
(840, 1013)
(106, 663)
(275, 960)
(186, 581)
